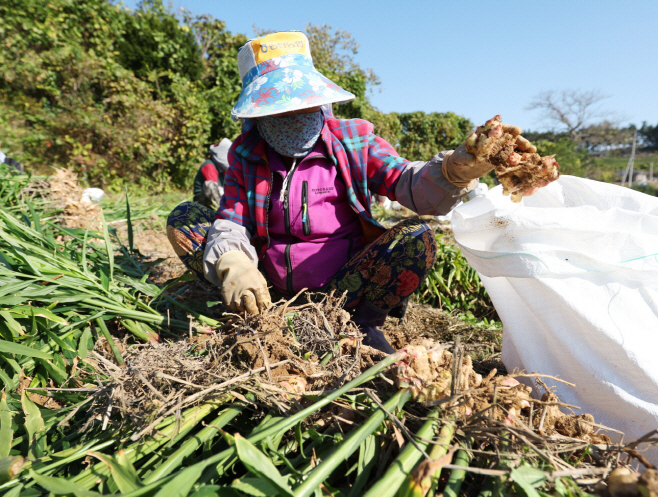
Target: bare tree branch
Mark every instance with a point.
(571, 109)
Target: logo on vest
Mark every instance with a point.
(322, 190)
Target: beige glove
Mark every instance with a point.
(461, 167)
(243, 286)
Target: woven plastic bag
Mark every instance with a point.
(573, 274)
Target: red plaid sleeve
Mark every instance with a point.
(234, 205)
(384, 166)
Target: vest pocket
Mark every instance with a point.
(289, 286)
(306, 218)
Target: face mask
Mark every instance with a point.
(292, 136)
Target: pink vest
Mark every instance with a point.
(316, 231)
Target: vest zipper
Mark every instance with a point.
(291, 291)
(286, 210)
(267, 208)
(306, 218)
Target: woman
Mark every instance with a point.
(297, 197)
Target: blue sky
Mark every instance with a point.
(481, 58)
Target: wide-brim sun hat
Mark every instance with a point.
(278, 76)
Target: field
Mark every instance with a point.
(124, 376)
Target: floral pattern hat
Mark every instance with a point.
(278, 76)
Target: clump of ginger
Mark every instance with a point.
(518, 167)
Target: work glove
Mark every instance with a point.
(243, 286)
(461, 167)
(212, 193)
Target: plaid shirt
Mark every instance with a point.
(367, 164)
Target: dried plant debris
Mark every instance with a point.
(433, 374)
(518, 167)
(62, 192)
(286, 349)
(66, 194)
(284, 355)
(318, 339)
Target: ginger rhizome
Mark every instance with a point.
(518, 167)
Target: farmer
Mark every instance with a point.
(209, 180)
(297, 197)
(13, 164)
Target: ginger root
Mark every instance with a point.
(518, 167)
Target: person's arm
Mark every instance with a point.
(424, 189)
(229, 259)
(419, 186)
(225, 236)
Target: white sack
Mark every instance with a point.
(92, 195)
(573, 274)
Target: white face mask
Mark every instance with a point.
(291, 136)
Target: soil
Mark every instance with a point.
(65, 193)
(150, 239)
(41, 400)
(423, 322)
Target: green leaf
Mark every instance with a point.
(215, 491)
(255, 486)
(300, 439)
(14, 326)
(55, 372)
(34, 425)
(123, 472)
(105, 279)
(530, 475)
(9, 383)
(10, 467)
(6, 432)
(18, 349)
(260, 465)
(40, 312)
(130, 224)
(60, 343)
(525, 482)
(368, 455)
(108, 247)
(15, 491)
(35, 217)
(4, 261)
(61, 486)
(83, 344)
(183, 483)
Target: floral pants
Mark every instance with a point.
(385, 273)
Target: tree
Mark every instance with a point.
(572, 110)
(423, 135)
(221, 77)
(66, 100)
(649, 135)
(606, 136)
(154, 45)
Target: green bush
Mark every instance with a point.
(136, 97)
(573, 160)
(453, 285)
(648, 189)
(68, 99)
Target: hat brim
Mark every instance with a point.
(294, 87)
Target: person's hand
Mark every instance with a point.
(212, 194)
(461, 167)
(243, 286)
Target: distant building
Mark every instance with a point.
(639, 177)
